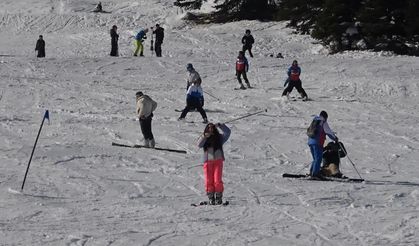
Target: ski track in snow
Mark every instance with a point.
(82, 191)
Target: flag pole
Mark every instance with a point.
(46, 116)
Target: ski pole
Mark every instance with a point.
(46, 116)
(245, 116)
(346, 153)
(211, 95)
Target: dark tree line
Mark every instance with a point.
(391, 25)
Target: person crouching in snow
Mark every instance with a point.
(145, 108)
(194, 100)
(212, 142)
(316, 141)
(294, 80)
(139, 39)
(331, 159)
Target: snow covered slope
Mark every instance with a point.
(82, 191)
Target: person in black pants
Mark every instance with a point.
(294, 81)
(159, 39)
(194, 100)
(145, 108)
(40, 47)
(248, 42)
(114, 41)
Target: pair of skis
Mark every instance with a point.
(324, 178)
(142, 146)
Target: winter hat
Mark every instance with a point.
(248, 31)
(324, 114)
(138, 94)
(189, 66)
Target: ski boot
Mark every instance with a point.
(218, 198)
(152, 143)
(146, 143)
(211, 198)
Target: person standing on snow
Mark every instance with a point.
(193, 76)
(293, 80)
(316, 142)
(139, 38)
(194, 100)
(159, 39)
(145, 108)
(248, 42)
(114, 41)
(212, 142)
(242, 66)
(40, 47)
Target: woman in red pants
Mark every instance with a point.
(212, 142)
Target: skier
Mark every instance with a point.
(194, 100)
(98, 7)
(114, 41)
(159, 39)
(139, 38)
(212, 143)
(247, 42)
(317, 141)
(40, 47)
(193, 76)
(293, 80)
(242, 66)
(145, 108)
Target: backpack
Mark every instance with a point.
(313, 129)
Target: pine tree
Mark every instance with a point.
(412, 21)
(189, 4)
(300, 13)
(333, 21)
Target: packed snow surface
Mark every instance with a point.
(81, 190)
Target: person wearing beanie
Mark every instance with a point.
(294, 80)
(145, 108)
(248, 42)
(139, 38)
(193, 76)
(242, 66)
(317, 133)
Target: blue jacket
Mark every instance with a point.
(140, 35)
(195, 94)
(294, 73)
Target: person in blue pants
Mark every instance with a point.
(316, 142)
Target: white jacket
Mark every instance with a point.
(194, 77)
(145, 106)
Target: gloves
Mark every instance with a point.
(337, 140)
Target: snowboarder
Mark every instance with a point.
(159, 39)
(139, 38)
(212, 143)
(316, 142)
(193, 76)
(194, 100)
(248, 42)
(40, 46)
(242, 66)
(293, 80)
(145, 108)
(98, 8)
(114, 41)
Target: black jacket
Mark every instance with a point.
(159, 34)
(248, 40)
(114, 36)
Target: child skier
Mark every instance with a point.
(242, 66)
(294, 81)
(212, 142)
